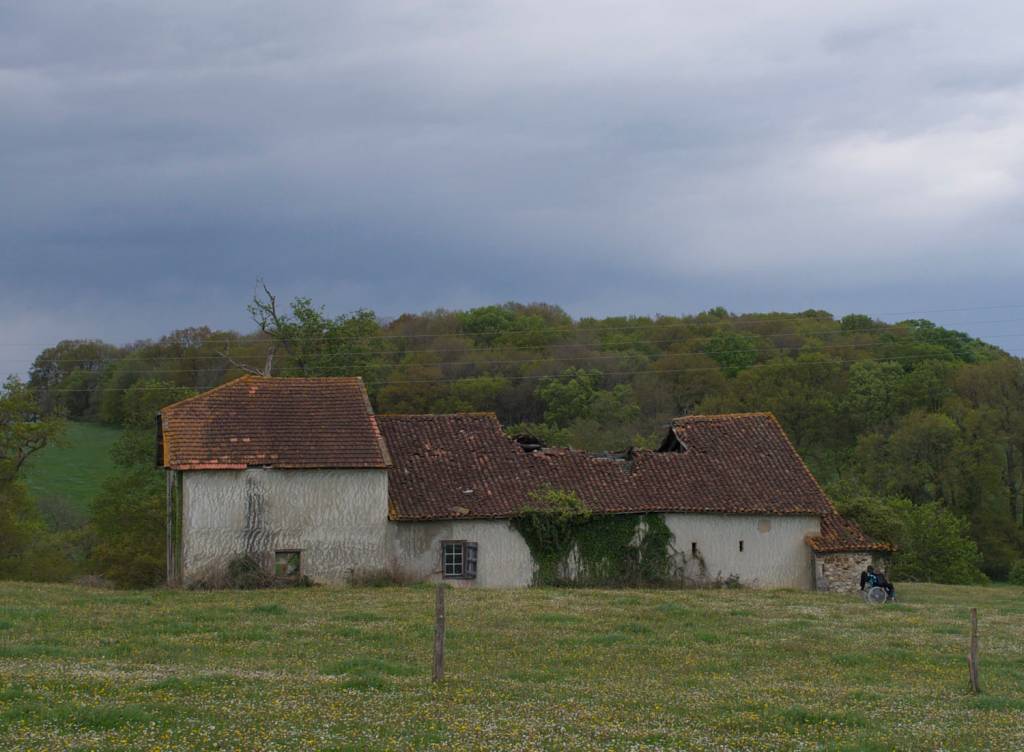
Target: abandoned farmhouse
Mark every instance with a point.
(299, 474)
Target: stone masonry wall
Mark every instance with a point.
(840, 573)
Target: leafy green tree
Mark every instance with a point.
(1017, 573)
(932, 543)
(733, 351)
(29, 550)
(65, 376)
(804, 394)
(872, 393)
(569, 396)
(938, 547)
(588, 416)
(129, 513)
(129, 517)
(315, 344)
(998, 389)
(958, 344)
(857, 322)
(978, 489)
(926, 385)
(24, 429)
(914, 461)
(689, 378)
(485, 325)
(416, 384)
(473, 394)
(611, 421)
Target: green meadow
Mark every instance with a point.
(349, 669)
(64, 478)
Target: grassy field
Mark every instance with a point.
(349, 669)
(71, 475)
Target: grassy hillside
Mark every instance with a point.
(66, 478)
(349, 669)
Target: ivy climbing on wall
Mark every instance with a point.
(573, 546)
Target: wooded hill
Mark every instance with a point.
(904, 423)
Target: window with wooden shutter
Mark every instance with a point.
(458, 559)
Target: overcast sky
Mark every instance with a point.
(156, 158)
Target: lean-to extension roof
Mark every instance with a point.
(278, 422)
(462, 466)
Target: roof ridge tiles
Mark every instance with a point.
(429, 416)
(722, 416)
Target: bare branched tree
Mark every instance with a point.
(263, 310)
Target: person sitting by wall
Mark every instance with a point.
(870, 578)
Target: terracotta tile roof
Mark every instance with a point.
(281, 422)
(752, 466)
(450, 466)
(839, 534)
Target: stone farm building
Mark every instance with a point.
(301, 475)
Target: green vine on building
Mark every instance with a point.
(573, 546)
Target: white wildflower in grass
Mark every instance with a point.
(349, 669)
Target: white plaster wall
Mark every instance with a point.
(774, 552)
(504, 559)
(337, 518)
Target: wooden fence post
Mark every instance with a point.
(439, 635)
(972, 653)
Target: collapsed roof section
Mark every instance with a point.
(463, 466)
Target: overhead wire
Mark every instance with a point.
(654, 321)
(502, 348)
(770, 364)
(223, 365)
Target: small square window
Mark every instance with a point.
(458, 559)
(287, 563)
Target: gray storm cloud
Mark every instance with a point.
(610, 157)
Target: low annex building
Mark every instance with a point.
(300, 474)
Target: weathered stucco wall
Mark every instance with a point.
(774, 553)
(337, 518)
(503, 557)
(840, 573)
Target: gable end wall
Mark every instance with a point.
(337, 518)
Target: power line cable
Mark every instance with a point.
(469, 349)
(771, 364)
(742, 319)
(223, 365)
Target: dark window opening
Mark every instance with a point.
(287, 563)
(741, 546)
(693, 548)
(458, 559)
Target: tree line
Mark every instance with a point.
(917, 431)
